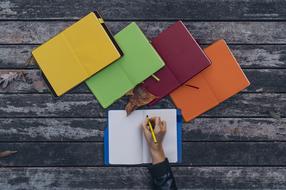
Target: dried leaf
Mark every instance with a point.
(39, 86)
(31, 60)
(139, 98)
(8, 78)
(7, 153)
(130, 93)
(5, 83)
(274, 115)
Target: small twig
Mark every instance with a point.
(7, 153)
(192, 86)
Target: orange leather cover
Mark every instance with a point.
(221, 80)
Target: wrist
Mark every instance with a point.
(157, 154)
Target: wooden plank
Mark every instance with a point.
(262, 80)
(249, 56)
(88, 129)
(31, 81)
(35, 32)
(53, 154)
(259, 56)
(16, 56)
(234, 153)
(266, 80)
(149, 10)
(139, 178)
(235, 129)
(194, 153)
(52, 129)
(85, 105)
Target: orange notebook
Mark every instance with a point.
(221, 80)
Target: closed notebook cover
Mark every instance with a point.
(183, 58)
(140, 60)
(76, 53)
(223, 79)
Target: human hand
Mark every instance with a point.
(156, 149)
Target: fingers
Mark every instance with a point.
(157, 121)
(160, 125)
(157, 125)
(163, 127)
(145, 126)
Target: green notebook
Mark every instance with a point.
(140, 60)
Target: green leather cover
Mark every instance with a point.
(140, 60)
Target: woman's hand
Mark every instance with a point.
(156, 149)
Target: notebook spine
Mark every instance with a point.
(106, 146)
(49, 85)
(179, 134)
(108, 33)
(46, 80)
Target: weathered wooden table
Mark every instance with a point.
(239, 144)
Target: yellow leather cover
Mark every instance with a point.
(76, 54)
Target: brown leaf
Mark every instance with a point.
(31, 60)
(130, 92)
(39, 86)
(274, 115)
(8, 78)
(139, 98)
(7, 153)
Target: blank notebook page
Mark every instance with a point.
(124, 137)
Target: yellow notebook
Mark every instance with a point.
(76, 53)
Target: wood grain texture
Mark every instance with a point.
(32, 82)
(85, 105)
(266, 80)
(247, 130)
(235, 129)
(195, 153)
(138, 178)
(52, 129)
(248, 56)
(36, 32)
(262, 80)
(53, 154)
(88, 129)
(150, 10)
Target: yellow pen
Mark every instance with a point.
(152, 131)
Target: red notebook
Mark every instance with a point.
(183, 58)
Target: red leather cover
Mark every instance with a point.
(183, 58)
